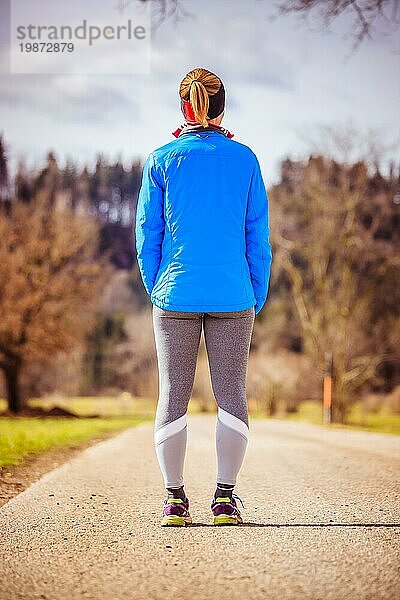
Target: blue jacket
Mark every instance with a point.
(202, 232)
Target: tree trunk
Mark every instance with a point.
(14, 397)
(340, 403)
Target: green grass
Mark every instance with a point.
(104, 406)
(309, 412)
(383, 421)
(20, 437)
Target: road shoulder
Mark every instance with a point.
(14, 479)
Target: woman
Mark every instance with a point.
(202, 242)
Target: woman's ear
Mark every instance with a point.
(217, 120)
(220, 117)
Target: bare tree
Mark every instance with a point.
(49, 281)
(344, 142)
(335, 243)
(162, 10)
(367, 13)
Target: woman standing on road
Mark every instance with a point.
(203, 250)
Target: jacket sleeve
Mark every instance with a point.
(150, 225)
(258, 247)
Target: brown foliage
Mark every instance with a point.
(49, 282)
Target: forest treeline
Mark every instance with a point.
(75, 319)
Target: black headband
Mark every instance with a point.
(216, 103)
(215, 108)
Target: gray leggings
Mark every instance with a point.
(227, 338)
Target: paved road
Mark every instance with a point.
(322, 512)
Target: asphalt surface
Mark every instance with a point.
(322, 521)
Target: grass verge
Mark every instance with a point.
(28, 436)
(382, 421)
(22, 437)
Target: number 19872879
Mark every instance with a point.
(46, 47)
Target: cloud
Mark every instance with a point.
(235, 46)
(73, 98)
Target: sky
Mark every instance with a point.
(286, 80)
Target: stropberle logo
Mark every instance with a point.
(54, 36)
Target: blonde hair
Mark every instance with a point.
(196, 87)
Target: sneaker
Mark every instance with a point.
(176, 513)
(225, 510)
